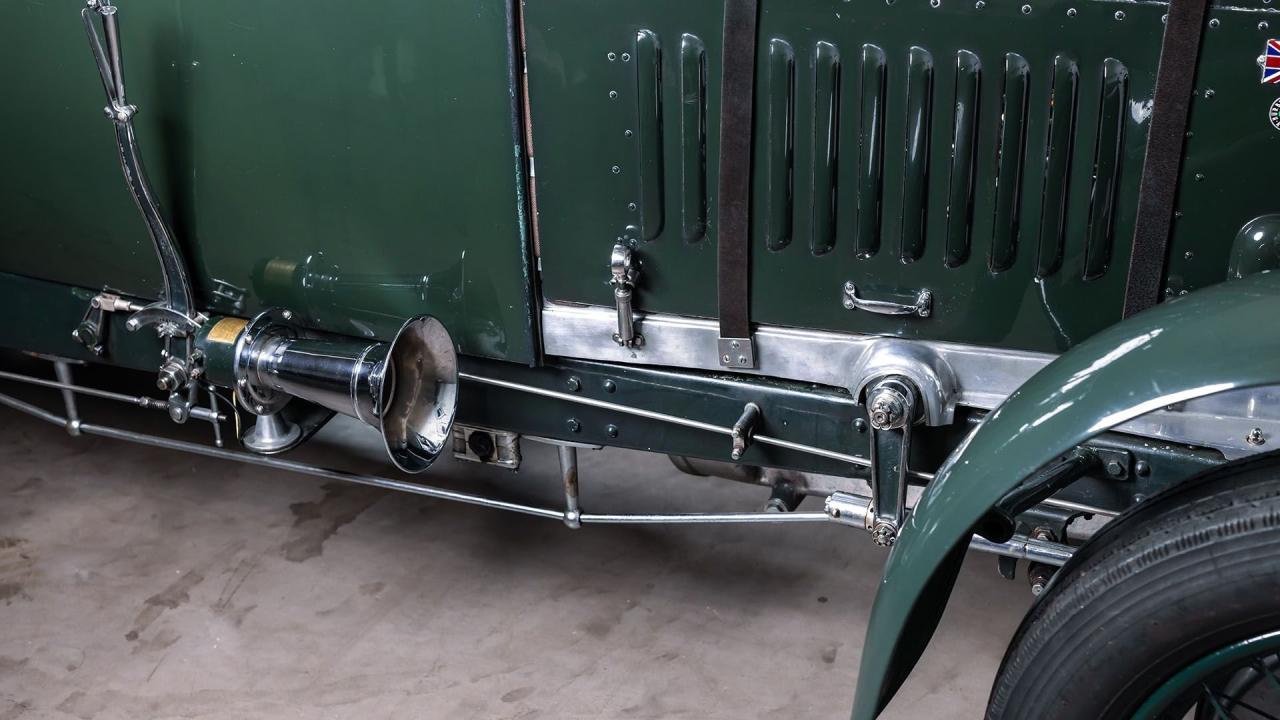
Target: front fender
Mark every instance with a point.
(1216, 339)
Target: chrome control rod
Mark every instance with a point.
(840, 507)
(175, 314)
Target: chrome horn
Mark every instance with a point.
(407, 388)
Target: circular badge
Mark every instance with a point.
(1274, 114)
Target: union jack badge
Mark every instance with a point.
(1271, 63)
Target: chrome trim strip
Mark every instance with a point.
(983, 377)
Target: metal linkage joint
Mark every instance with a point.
(744, 429)
(893, 407)
(624, 271)
(92, 330)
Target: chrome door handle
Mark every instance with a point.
(922, 307)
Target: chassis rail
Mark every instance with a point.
(848, 505)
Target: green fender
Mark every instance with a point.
(1217, 339)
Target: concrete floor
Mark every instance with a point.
(142, 583)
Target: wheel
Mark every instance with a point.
(1172, 611)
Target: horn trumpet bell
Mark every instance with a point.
(407, 388)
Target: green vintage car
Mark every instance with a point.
(1018, 255)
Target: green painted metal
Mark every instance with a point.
(383, 136)
(1191, 677)
(40, 315)
(790, 411)
(1222, 186)
(1214, 340)
(899, 145)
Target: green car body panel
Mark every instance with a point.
(364, 164)
(379, 141)
(999, 137)
(1212, 341)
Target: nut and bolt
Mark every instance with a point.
(1214, 23)
(573, 425)
(884, 534)
(1115, 468)
(1039, 576)
(1255, 437)
(888, 409)
(172, 376)
(574, 384)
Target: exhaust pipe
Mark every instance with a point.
(407, 388)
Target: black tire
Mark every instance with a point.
(1185, 573)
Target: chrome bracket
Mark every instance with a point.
(893, 408)
(921, 306)
(737, 352)
(624, 272)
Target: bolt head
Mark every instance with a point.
(574, 384)
(1115, 469)
(884, 534)
(573, 425)
(609, 386)
(888, 409)
(611, 431)
(1255, 437)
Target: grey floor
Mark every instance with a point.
(140, 583)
